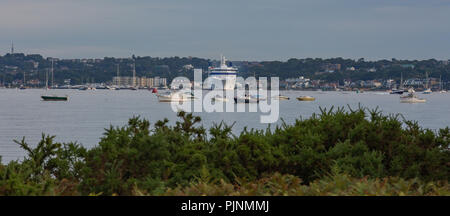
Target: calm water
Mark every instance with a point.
(86, 114)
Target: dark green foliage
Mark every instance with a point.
(132, 156)
(49, 169)
(141, 159)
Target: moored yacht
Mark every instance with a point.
(225, 74)
(427, 91)
(306, 98)
(52, 97)
(411, 98)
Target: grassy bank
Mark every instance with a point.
(334, 152)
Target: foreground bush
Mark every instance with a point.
(363, 145)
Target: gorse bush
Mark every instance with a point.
(374, 153)
(49, 169)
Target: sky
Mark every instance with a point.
(239, 29)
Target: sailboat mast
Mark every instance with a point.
(52, 73)
(46, 79)
(118, 77)
(401, 80)
(134, 73)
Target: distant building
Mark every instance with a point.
(188, 67)
(330, 68)
(351, 68)
(123, 81)
(145, 82)
(411, 66)
(140, 81)
(372, 70)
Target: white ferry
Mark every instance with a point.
(226, 75)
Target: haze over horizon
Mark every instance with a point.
(241, 30)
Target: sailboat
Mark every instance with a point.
(23, 87)
(53, 97)
(133, 87)
(428, 90)
(440, 85)
(400, 90)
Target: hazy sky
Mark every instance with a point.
(240, 29)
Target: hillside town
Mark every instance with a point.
(35, 71)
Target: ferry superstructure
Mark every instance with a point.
(224, 73)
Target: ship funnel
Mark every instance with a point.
(223, 60)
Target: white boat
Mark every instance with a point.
(259, 97)
(427, 91)
(224, 74)
(440, 86)
(411, 98)
(246, 99)
(281, 97)
(175, 97)
(218, 98)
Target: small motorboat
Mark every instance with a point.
(54, 98)
(281, 97)
(411, 98)
(246, 99)
(306, 98)
(219, 98)
(189, 95)
(174, 97)
(427, 91)
(259, 97)
(396, 91)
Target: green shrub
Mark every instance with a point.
(143, 159)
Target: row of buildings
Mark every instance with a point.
(145, 82)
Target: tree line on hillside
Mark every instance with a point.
(80, 71)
